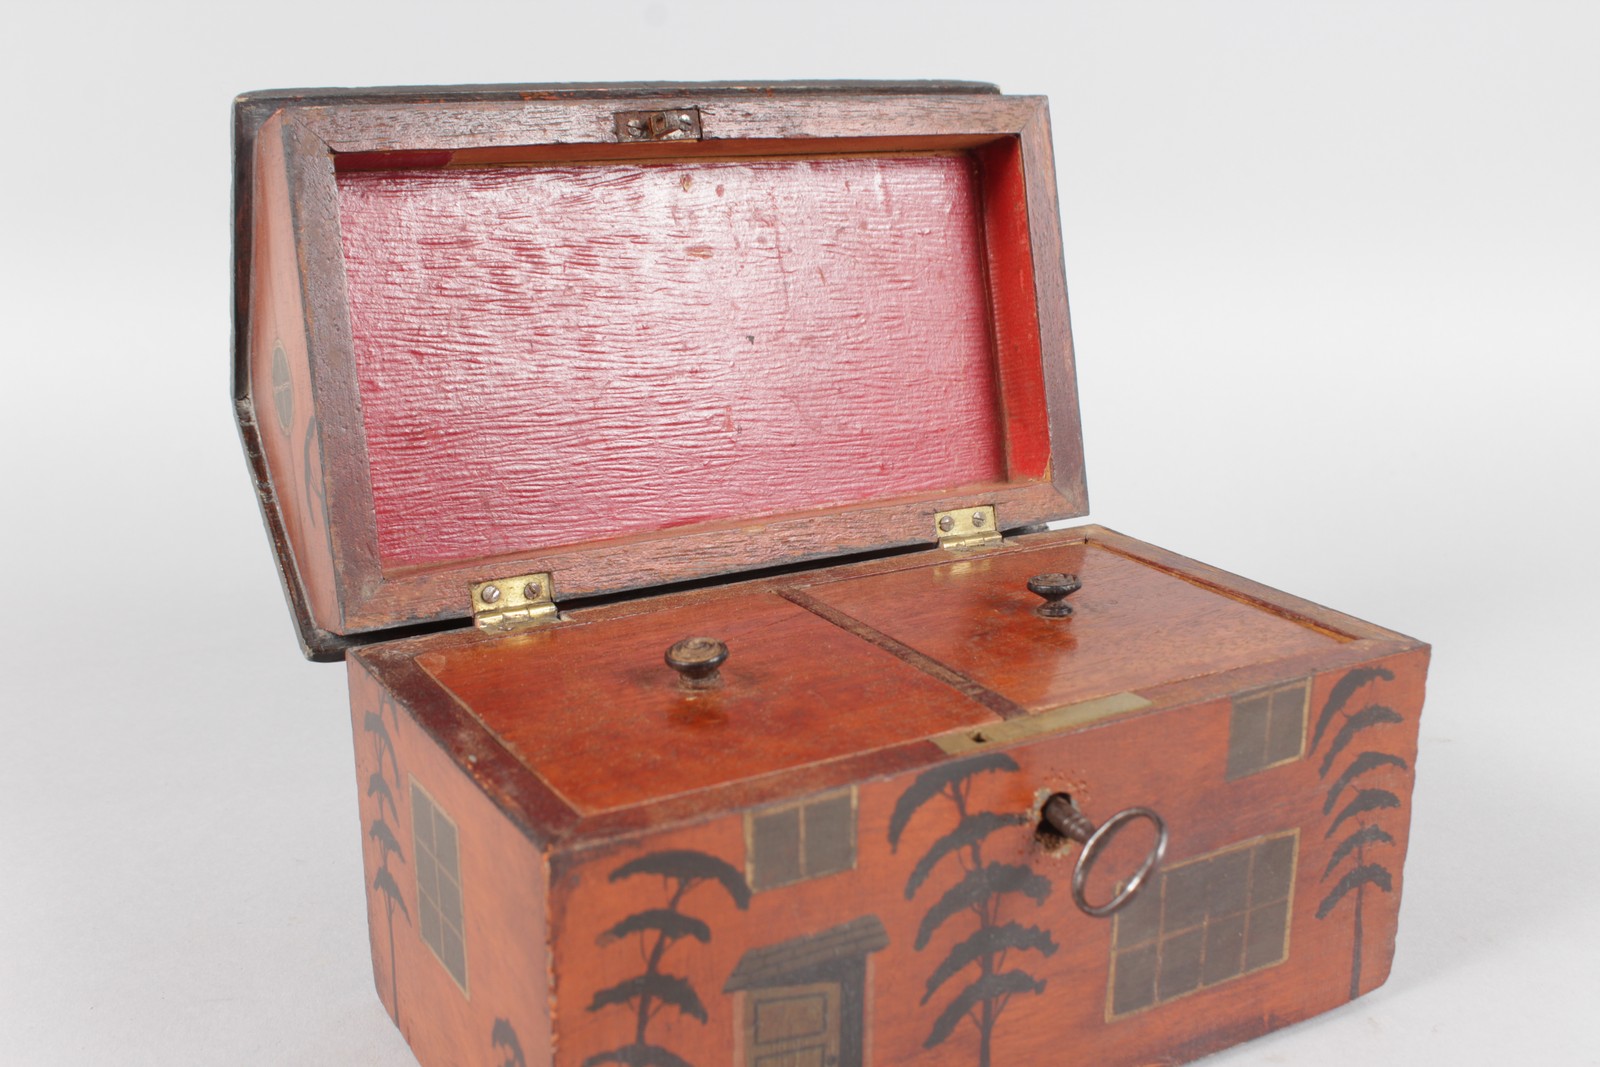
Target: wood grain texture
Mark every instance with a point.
(594, 711)
(510, 784)
(279, 414)
(461, 125)
(547, 818)
(550, 356)
(707, 550)
(252, 109)
(1133, 626)
(1050, 304)
(324, 299)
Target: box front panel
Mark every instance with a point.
(923, 917)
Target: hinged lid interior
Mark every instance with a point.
(491, 337)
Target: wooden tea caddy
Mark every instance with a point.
(733, 415)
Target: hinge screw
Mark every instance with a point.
(490, 594)
(532, 591)
(946, 524)
(978, 519)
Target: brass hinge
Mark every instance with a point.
(507, 604)
(974, 527)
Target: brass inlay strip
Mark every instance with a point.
(1056, 720)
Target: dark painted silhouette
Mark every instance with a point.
(658, 930)
(282, 388)
(788, 985)
(315, 489)
(504, 1036)
(1362, 806)
(316, 492)
(378, 786)
(388, 843)
(978, 893)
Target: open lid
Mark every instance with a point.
(634, 335)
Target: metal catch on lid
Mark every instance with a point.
(673, 124)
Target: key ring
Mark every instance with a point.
(1066, 819)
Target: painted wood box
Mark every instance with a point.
(671, 465)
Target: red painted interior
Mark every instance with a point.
(1016, 311)
(552, 355)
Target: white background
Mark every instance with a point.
(1335, 276)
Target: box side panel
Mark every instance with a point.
(455, 897)
(278, 408)
(923, 918)
(1363, 743)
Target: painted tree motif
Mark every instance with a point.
(316, 490)
(658, 930)
(979, 894)
(503, 1036)
(1353, 806)
(381, 788)
(282, 388)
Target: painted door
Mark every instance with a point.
(793, 1026)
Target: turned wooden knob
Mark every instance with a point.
(696, 660)
(1055, 588)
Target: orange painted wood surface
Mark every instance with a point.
(594, 710)
(554, 355)
(862, 927)
(283, 411)
(1134, 626)
(1174, 761)
(501, 887)
(658, 847)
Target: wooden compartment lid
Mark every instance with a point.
(635, 335)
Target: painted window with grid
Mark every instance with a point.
(793, 842)
(1204, 922)
(1267, 728)
(438, 884)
